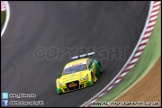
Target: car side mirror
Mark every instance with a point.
(59, 74)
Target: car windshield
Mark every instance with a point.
(74, 69)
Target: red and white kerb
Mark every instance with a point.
(3, 6)
(141, 46)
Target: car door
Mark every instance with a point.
(92, 66)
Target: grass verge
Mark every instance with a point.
(146, 61)
(3, 16)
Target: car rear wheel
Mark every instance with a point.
(100, 69)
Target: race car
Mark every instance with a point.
(80, 73)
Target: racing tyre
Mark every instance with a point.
(100, 69)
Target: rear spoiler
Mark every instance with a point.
(82, 56)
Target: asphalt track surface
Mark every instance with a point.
(66, 25)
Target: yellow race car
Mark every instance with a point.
(80, 73)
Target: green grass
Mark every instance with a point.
(3, 16)
(148, 58)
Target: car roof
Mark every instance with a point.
(82, 60)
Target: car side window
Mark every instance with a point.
(90, 61)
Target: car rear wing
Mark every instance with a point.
(83, 55)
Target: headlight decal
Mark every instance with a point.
(85, 78)
(60, 84)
